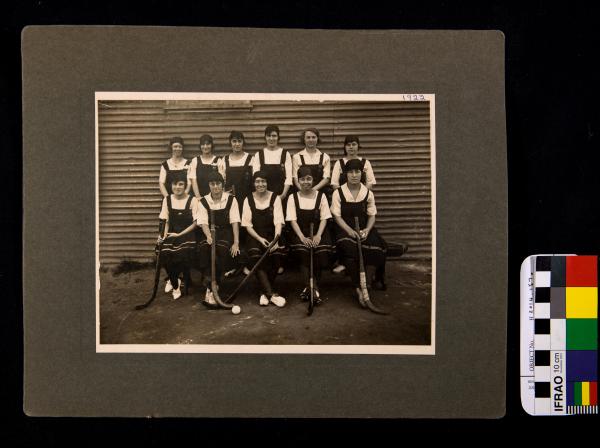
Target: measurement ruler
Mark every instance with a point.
(559, 334)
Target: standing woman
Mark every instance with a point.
(238, 168)
(262, 217)
(351, 148)
(275, 162)
(171, 167)
(304, 207)
(350, 200)
(312, 157)
(226, 214)
(177, 234)
(203, 165)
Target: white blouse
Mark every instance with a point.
(261, 205)
(178, 204)
(307, 204)
(234, 213)
(274, 157)
(162, 177)
(311, 159)
(336, 203)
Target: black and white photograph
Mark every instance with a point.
(265, 223)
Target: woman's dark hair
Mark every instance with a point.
(272, 128)
(178, 176)
(260, 173)
(207, 139)
(175, 140)
(214, 176)
(353, 164)
(314, 131)
(303, 171)
(236, 135)
(350, 139)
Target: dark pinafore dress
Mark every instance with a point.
(374, 247)
(171, 174)
(303, 218)
(275, 172)
(262, 223)
(179, 250)
(317, 174)
(239, 177)
(223, 236)
(344, 176)
(202, 172)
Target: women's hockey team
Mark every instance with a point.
(268, 211)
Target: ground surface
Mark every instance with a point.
(339, 320)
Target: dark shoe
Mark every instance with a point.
(211, 306)
(379, 285)
(305, 295)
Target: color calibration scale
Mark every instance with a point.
(559, 334)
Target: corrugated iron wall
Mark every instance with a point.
(133, 136)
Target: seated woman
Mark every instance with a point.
(304, 207)
(226, 214)
(171, 167)
(177, 235)
(351, 148)
(338, 174)
(203, 165)
(262, 217)
(352, 200)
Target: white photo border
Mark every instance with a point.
(274, 348)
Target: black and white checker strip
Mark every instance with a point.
(542, 282)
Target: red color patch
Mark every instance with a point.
(593, 393)
(582, 271)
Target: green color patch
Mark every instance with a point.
(577, 394)
(582, 334)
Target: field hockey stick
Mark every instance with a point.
(156, 278)
(363, 275)
(254, 268)
(311, 303)
(213, 263)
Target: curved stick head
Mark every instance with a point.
(375, 309)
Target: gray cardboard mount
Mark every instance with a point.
(64, 376)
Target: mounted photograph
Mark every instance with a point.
(265, 223)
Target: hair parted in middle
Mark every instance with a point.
(314, 131)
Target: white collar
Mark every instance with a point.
(363, 192)
(173, 163)
(210, 200)
(317, 151)
(199, 159)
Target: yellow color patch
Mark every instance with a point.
(582, 303)
(585, 394)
